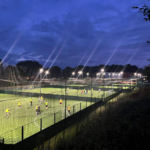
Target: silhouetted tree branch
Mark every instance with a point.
(146, 12)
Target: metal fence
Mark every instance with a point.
(27, 136)
(21, 133)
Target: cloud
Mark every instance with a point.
(79, 26)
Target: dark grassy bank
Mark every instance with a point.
(125, 125)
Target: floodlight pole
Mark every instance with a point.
(103, 87)
(40, 84)
(65, 98)
(91, 88)
(41, 70)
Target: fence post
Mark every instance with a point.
(54, 118)
(41, 124)
(73, 109)
(22, 132)
(86, 103)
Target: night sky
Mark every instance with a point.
(74, 32)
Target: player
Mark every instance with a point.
(68, 108)
(77, 92)
(31, 101)
(46, 105)
(36, 109)
(60, 102)
(42, 98)
(7, 113)
(68, 89)
(92, 93)
(81, 92)
(99, 90)
(84, 90)
(91, 89)
(19, 104)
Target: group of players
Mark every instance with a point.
(37, 108)
(86, 91)
(83, 91)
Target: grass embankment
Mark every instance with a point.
(124, 125)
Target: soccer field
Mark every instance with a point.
(71, 92)
(26, 116)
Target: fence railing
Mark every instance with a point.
(23, 132)
(59, 124)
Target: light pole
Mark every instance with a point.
(121, 73)
(41, 70)
(87, 74)
(46, 72)
(113, 75)
(98, 74)
(109, 75)
(135, 74)
(73, 73)
(81, 73)
(102, 70)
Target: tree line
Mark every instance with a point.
(30, 70)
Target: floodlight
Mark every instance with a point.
(102, 70)
(47, 72)
(41, 70)
(80, 72)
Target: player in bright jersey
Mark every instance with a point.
(36, 109)
(46, 105)
(92, 93)
(31, 101)
(7, 113)
(77, 92)
(68, 108)
(42, 98)
(19, 104)
(60, 102)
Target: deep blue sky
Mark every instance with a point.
(73, 32)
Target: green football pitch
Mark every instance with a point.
(71, 92)
(26, 116)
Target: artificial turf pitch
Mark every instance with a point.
(10, 129)
(61, 91)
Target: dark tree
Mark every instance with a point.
(1, 69)
(10, 72)
(55, 71)
(67, 72)
(145, 10)
(28, 68)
